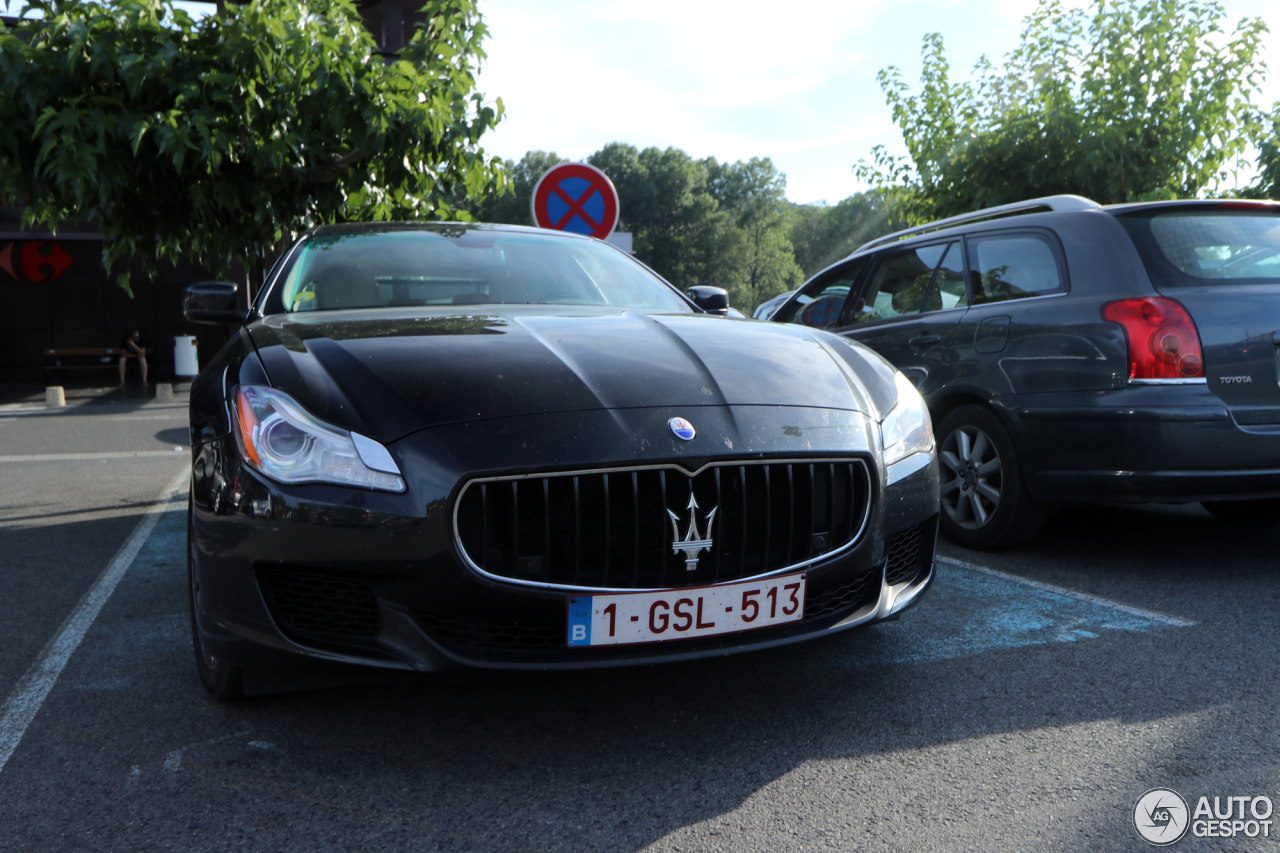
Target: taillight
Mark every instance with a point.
(1163, 342)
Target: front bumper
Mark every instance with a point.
(327, 574)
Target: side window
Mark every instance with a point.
(1013, 266)
(949, 282)
(820, 301)
(899, 285)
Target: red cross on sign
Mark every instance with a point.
(578, 198)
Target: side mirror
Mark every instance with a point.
(713, 300)
(212, 302)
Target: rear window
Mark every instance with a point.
(462, 266)
(1198, 248)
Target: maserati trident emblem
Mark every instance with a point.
(682, 429)
(692, 544)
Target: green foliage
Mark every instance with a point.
(823, 234)
(515, 207)
(209, 141)
(1267, 181)
(762, 262)
(1130, 100)
(704, 222)
(693, 221)
(676, 225)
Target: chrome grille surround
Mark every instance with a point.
(841, 487)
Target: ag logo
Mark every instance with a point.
(1161, 816)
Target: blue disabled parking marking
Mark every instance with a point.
(971, 610)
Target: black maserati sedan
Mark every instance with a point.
(430, 447)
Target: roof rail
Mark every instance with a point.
(1052, 203)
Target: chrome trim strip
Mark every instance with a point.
(1193, 380)
(854, 541)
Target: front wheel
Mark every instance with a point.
(985, 503)
(223, 681)
(1261, 512)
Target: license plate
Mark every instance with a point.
(623, 619)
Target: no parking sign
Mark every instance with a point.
(578, 198)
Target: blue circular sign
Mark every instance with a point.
(576, 197)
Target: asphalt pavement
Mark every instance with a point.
(1026, 704)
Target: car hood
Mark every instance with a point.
(386, 372)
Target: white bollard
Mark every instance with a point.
(185, 364)
(164, 392)
(54, 396)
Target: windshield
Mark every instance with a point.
(1202, 247)
(463, 266)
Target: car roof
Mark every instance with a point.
(1035, 210)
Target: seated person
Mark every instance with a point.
(131, 347)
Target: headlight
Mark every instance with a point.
(906, 430)
(285, 442)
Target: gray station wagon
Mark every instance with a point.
(1071, 351)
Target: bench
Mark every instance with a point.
(81, 358)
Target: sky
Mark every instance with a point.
(734, 79)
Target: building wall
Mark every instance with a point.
(54, 293)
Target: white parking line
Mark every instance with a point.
(179, 413)
(80, 457)
(1176, 621)
(27, 698)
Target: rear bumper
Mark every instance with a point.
(1176, 444)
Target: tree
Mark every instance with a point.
(515, 207)
(693, 221)
(676, 224)
(763, 262)
(823, 234)
(1131, 100)
(1267, 180)
(210, 141)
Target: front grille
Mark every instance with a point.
(321, 606)
(614, 529)
(909, 552)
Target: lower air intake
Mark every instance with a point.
(910, 552)
(321, 606)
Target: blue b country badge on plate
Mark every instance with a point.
(579, 620)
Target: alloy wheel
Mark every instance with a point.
(971, 477)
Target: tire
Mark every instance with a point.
(1261, 512)
(985, 502)
(223, 681)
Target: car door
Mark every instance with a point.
(820, 302)
(909, 307)
(1023, 333)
